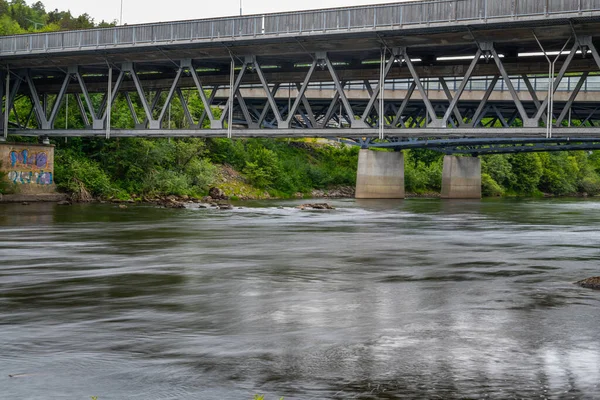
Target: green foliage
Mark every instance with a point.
(527, 171)
(560, 173)
(82, 177)
(18, 17)
(4, 185)
(8, 26)
(285, 167)
(137, 166)
(489, 187)
(499, 168)
(422, 171)
(590, 185)
(265, 167)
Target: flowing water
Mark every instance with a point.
(375, 300)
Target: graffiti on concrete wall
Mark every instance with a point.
(27, 158)
(29, 167)
(28, 177)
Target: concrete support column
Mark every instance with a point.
(380, 175)
(461, 178)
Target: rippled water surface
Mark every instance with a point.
(375, 300)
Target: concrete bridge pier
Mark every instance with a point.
(461, 178)
(380, 175)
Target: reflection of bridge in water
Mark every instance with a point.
(465, 76)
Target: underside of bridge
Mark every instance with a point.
(264, 87)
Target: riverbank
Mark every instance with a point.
(254, 169)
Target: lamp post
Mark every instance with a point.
(121, 15)
(240, 7)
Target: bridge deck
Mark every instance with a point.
(439, 14)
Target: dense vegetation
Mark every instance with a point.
(559, 173)
(152, 167)
(138, 167)
(18, 17)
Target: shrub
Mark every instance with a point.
(202, 174)
(527, 169)
(489, 187)
(82, 177)
(590, 185)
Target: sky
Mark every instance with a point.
(142, 11)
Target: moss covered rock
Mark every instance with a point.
(590, 283)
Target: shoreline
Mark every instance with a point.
(172, 201)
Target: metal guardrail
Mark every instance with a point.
(394, 15)
(539, 84)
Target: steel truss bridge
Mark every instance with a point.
(264, 76)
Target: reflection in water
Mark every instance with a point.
(376, 300)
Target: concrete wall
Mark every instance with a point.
(29, 168)
(380, 175)
(461, 178)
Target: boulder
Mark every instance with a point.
(316, 206)
(590, 283)
(64, 203)
(217, 194)
(175, 204)
(225, 207)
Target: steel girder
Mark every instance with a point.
(34, 113)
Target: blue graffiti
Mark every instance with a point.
(28, 159)
(28, 177)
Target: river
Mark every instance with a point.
(418, 298)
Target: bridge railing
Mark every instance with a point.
(539, 84)
(394, 15)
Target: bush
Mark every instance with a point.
(489, 187)
(590, 185)
(422, 174)
(527, 169)
(202, 174)
(166, 182)
(82, 177)
(560, 173)
(498, 167)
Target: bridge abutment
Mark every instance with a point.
(28, 172)
(380, 175)
(461, 178)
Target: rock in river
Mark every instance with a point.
(217, 194)
(316, 206)
(590, 283)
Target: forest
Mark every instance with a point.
(138, 168)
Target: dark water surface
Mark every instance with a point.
(376, 300)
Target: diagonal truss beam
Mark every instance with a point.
(482, 108)
(354, 123)
(459, 91)
(572, 98)
(398, 118)
(206, 102)
(154, 123)
(527, 122)
(98, 116)
(45, 121)
(375, 93)
(413, 72)
(451, 99)
(235, 94)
